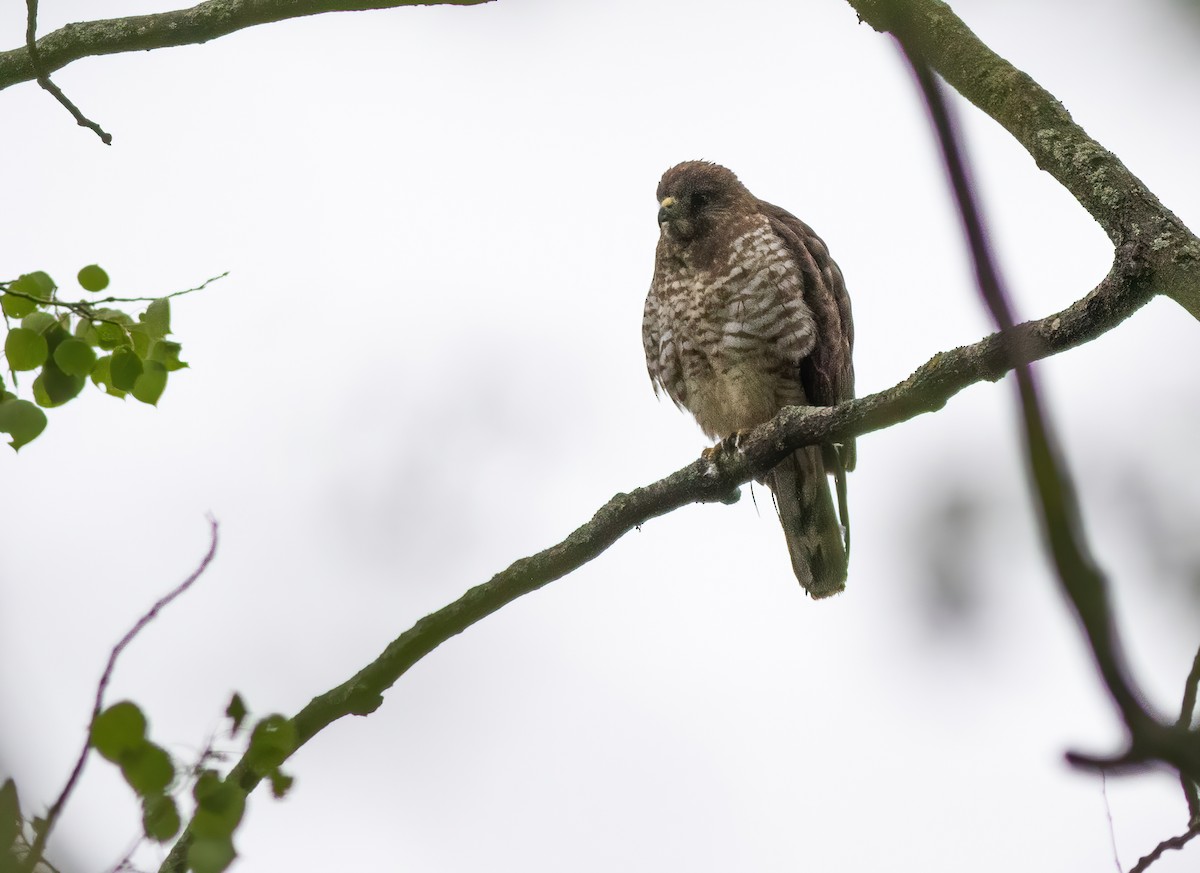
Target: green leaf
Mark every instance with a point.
(167, 354)
(281, 783)
(210, 854)
(273, 739)
(86, 331)
(16, 307)
(118, 729)
(21, 420)
(25, 349)
(75, 357)
(236, 712)
(160, 817)
(36, 283)
(55, 335)
(40, 396)
(157, 318)
(126, 366)
(39, 321)
(54, 387)
(219, 806)
(102, 376)
(93, 278)
(147, 768)
(150, 385)
(115, 315)
(141, 340)
(111, 336)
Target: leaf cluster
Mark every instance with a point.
(65, 343)
(119, 735)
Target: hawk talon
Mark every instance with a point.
(731, 443)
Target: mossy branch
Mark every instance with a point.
(198, 24)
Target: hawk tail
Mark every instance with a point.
(810, 522)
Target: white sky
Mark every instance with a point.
(426, 362)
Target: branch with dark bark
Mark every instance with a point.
(43, 77)
(1123, 291)
(1154, 253)
(199, 24)
(1083, 584)
(1123, 206)
(1175, 843)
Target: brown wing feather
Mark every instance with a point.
(827, 374)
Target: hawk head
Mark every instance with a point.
(696, 195)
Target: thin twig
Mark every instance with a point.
(1171, 843)
(1112, 831)
(39, 844)
(43, 78)
(85, 308)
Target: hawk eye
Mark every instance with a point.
(699, 200)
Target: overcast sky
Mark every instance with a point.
(426, 362)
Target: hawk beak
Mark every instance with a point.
(665, 209)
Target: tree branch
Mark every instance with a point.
(86, 308)
(1187, 712)
(1126, 288)
(1083, 583)
(1172, 843)
(39, 844)
(43, 78)
(203, 22)
(1112, 195)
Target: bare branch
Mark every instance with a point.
(1112, 831)
(39, 844)
(1082, 582)
(203, 22)
(1187, 712)
(1123, 291)
(1112, 195)
(1173, 843)
(43, 78)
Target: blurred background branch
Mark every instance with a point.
(1083, 583)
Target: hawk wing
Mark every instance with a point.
(827, 374)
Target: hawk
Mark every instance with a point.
(747, 314)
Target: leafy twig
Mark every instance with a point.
(43, 834)
(87, 304)
(86, 308)
(43, 77)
